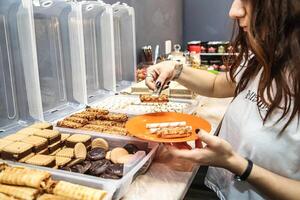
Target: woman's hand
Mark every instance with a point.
(217, 152)
(160, 74)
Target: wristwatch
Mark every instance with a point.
(177, 69)
(246, 173)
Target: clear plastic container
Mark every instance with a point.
(93, 21)
(125, 44)
(62, 86)
(19, 85)
(118, 187)
(60, 177)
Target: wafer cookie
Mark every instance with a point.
(78, 192)
(20, 192)
(24, 177)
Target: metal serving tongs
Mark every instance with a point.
(157, 91)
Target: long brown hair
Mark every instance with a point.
(274, 39)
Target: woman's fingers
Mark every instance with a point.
(210, 140)
(151, 77)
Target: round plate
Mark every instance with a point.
(136, 126)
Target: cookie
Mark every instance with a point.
(16, 151)
(66, 152)
(74, 162)
(4, 143)
(42, 125)
(62, 161)
(116, 153)
(55, 152)
(52, 197)
(42, 160)
(96, 154)
(69, 124)
(39, 143)
(101, 143)
(44, 152)
(98, 111)
(80, 151)
(77, 120)
(78, 138)
(27, 131)
(52, 136)
(99, 167)
(108, 155)
(125, 159)
(64, 136)
(131, 148)
(53, 147)
(26, 158)
(15, 137)
(115, 169)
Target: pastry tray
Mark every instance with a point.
(60, 177)
(117, 188)
(131, 105)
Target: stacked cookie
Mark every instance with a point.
(32, 145)
(94, 119)
(23, 183)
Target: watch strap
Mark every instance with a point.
(246, 173)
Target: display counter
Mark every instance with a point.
(160, 182)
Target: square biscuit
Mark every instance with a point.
(62, 161)
(38, 143)
(4, 143)
(42, 160)
(78, 138)
(16, 151)
(42, 125)
(27, 131)
(53, 147)
(66, 152)
(64, 136)
(15, 137)
(51, 135)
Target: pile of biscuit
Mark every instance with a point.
(99, 120)
(19, 183)
(99, 159)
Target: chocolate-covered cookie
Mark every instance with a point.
(86, 165)
(115, 169)
(67, 169)
(131, 148)
(78, 168)
(96, 154)
(99, 167)
(109, 176)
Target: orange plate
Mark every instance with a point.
(137, 125)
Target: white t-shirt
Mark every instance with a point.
(243, 128)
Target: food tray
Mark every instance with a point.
(116, 187)
(131, 105)
(60, 177)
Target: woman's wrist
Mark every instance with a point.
(237, 164)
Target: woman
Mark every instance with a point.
(259, 140)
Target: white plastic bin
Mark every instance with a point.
(62, 84)
(125, 44)
(93, 21)
(19, 86)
